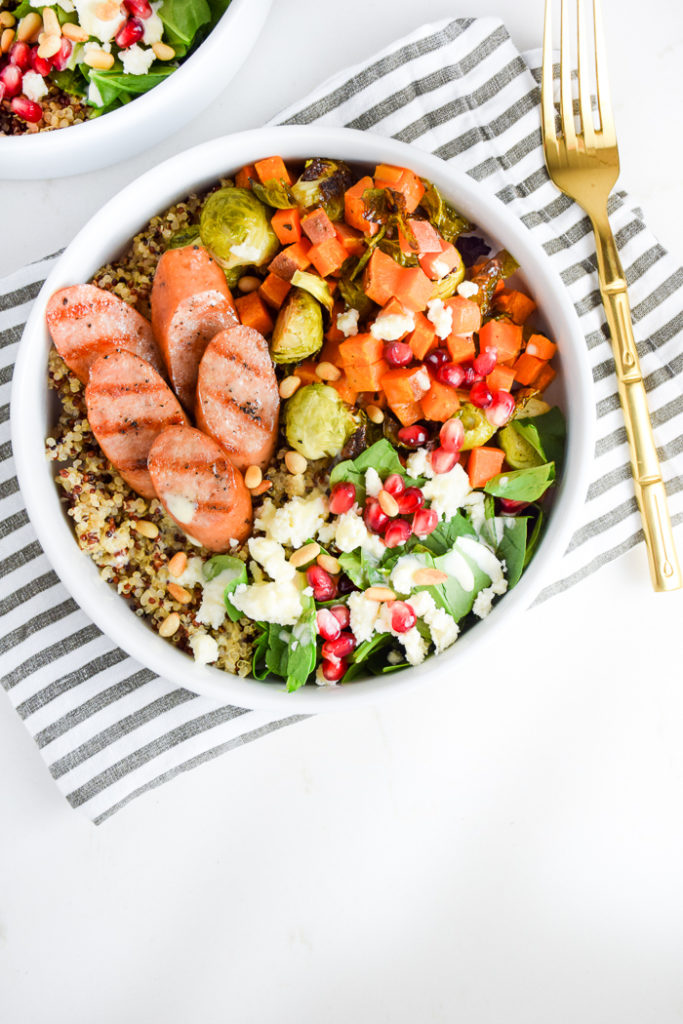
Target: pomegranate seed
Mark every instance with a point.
(346, 585)
(27, 109)
(403, 617)
(413, 436)
(20, 55)
(436, 358)
(450, 374)
(424, 522)
(10, 76)
(480, 394)
(469, 374)
(140, 8)
(328, 624)
(442, 460)
(341, 647)
(395, 484)
(398, 353)
(342, 498)
(485, 361)
(397, 533)
(410, 501)
(501, 408)
(341, 614)
(375, 519)
(452, 435)
(131, 32)
(324, 587)
(508, 507)
(40, 65)
(333, 669)
(61, 58)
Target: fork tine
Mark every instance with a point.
(602, 81)
(566, 101)
(547, 96)
(585, 108)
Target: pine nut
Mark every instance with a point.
(29, 27)
(327, 371)
(329, 563)
(264, 486)
(295, 463)
(146, 528)
(51, 45)
(6, 39)
(96, 58)
(179, 594)
(74, 32)
(163, 51)
(388, 503)
(289, 385)
(253, 477)
(249, 283)
(107, 10)
(178, 564)
(170, 625)
(429, 577)
(51, 22)
(305, 554)
(7, 20)
(379, 594)
(375, 414)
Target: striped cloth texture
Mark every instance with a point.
(107, 728)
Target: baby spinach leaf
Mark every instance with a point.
(451, 595)
(364, 652)
(536, 533)
(381, 456)
(302, 648)
(258, 661)
(512, 548)
(546, 434)
(442, 539)
(114, 85)
(277, 653)
(522, 484)
(183, 18)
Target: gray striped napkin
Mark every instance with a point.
(107, 728)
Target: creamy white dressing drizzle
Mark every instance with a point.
(456, 566)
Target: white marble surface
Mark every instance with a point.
(509, 849)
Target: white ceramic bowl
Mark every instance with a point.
(110, 231)
(144, 121)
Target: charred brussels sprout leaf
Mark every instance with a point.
(393, 248)
(353, 293)
(298, 331)
(274, 193)
(496, 269)
(444, 217)
(448, 285)
(235, 228)
(323, 183)
(388, 208)
(317, 422)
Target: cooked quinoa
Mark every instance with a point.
(60, 110)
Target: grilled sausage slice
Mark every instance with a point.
(237, 396)
(128, 405)
(87, 322)
(191, 302)
(200, 488)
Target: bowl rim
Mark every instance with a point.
(116, 222)
(19, 152)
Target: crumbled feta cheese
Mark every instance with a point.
(403, 572)
(94, 96)
(347, 322)
(373, 482)
(294, 522)
(418, 464)
(440, 268)
(394, 658)
(443, 627)
(191, 574)
(447, 491)
(422, 603)
(271, 556)
(138, 61)
(468, 289)
(204, 648)
(392, 326)
(414, 645)
(154, 27)
(105, 28)
(352, 533)
(364, 615)
(475, 507)
(441, 316)
(327, 531)
(33, 86)
(212, 609)
(269, 602)
(482, 602)
(180, 507)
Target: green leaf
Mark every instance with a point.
(302, 652)
(522, 484)
(114, 85)
(227, 564)
(182, 19)
(274, 193)
(546, 434)
(70, 81)
(441, 540)
(362, 655)
(536, 534)
(352, 291)
(451, 595)
(315, 286)
(381, 456)
(444, 217)
(512, 548)
(259, 668)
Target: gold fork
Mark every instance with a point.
(584, 164)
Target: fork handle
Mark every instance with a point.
(647, 475)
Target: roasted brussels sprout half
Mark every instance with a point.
(317, 422)
(448, 285)
(323, 183)
(235, 228)
(316, 285)
(298, 331)
(478, 430)
(518, 452)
